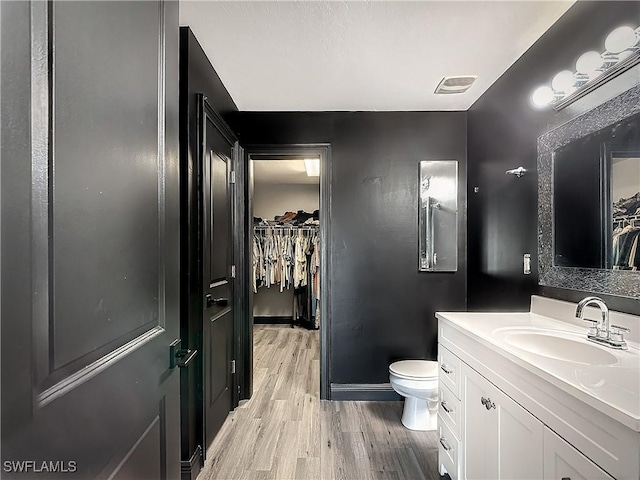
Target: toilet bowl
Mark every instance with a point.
(417, 381)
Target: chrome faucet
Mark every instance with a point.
(602, 327)
(600, 331)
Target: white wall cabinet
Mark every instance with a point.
(500, 440)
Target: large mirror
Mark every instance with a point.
(589, 200)
(596, 199)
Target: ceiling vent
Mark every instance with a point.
(458, 84)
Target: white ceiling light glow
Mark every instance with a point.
(620, 39)
(622, 50)
(589, 62)
(563, 81)
(542, 96)
(313, 167)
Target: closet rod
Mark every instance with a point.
(626, 218)
(290, 227)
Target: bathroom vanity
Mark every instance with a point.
(526, 396)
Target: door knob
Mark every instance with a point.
(210, 301)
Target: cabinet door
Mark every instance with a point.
(480, 428)
(520, 440)
(563, 462)
(501, 439)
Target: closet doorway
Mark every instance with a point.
(288, 224)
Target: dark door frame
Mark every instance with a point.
(282, 152)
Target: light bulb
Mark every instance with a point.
(589, 62)
(563, 81)
(542, 96)
(620, 39)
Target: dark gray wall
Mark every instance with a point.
(196, 76)
(503, 129)
(382, 308)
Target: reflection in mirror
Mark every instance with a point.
(438, 216)
(596, 199)
(575, 220)
(625, 193)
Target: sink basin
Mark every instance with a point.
(557, 345)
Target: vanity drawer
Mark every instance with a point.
(449, 372)
(448, 449)
(449, 409)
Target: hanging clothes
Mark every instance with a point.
(289, 257)
(625, 249)
(300, 269)
(282, 256)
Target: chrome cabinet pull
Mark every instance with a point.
(445, 407)
(444, 444)
(488, 404)
(446, 369)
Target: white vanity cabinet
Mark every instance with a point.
(501, 440)
(484, 434)
(498, 420)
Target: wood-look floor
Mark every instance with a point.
(286, 432)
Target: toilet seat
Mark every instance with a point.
(415, 369)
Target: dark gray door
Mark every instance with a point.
(217, 272)
(90, 240)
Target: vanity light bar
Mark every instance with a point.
(622, 51)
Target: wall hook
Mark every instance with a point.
(518, 172)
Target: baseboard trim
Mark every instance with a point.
(272, 320)
(379, 392)
(189, 469)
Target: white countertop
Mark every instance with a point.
(613, 389)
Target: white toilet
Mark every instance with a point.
(417, 381)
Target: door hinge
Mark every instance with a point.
(233, 366)
(232, 177)
(233, 271)
(238, 389)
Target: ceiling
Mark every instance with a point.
(362, 55)
(282, 172)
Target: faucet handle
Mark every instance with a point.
(620, 329)
(593, 329)
(617, 335)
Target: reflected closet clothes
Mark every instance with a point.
(626, 251)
